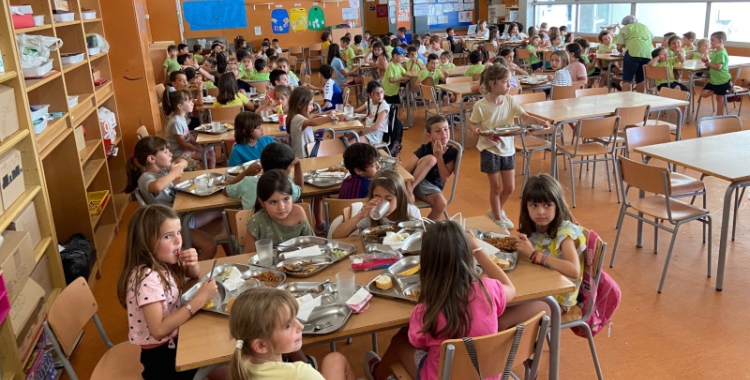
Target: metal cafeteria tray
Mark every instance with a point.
(388, 163)
(204, 129)
(256, 271)
(215, 184)
(301, 242)
(396, 291)
(512, 257)
(327, 247)
(236, 170)
(219, 302)
(297, 288)
(404, 264)
(315, 178)
(336, 314)
(325, 261)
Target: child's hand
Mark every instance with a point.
(524, 246)
(189, 257)
(365, 211)
(550, 77)
(475, 131)
(253, 169)
(176, 170)
(473, 242)
(438, 149)
(207, 291)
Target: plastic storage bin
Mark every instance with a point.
(38, 72)
(63, 17)
(71, 58)
(38, 111)
(97, 201)
(94, 50)
(88, 15)
(72, 101)
(40, 125)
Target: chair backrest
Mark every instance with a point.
(237, 223)
(292, 62)
(261, 86)
(335, 207)
(141, 132)
(718, 125)
(645, 177)
(564, 92)
(493, 352)
(450, 80)
(446, 45)
(70, 313)
(591, 91)
(225, 114)
(597, 128)
(303, 69)
(530, 97)
(654, 73)
(305, 79)
(213, 91)
(636, 137)
(515, 91)
(674, 93)
(308, 212)
(347, 93)
(160, 88)
(490, 48)
(456, 168)
(632, 115)
(523, 54)
(326, 147)
(284, 54)
(294, 49)
(429, 97)
(315, 49)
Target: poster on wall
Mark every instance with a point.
(421, 10)
(316, 19)
(298, 17)
(466, 16)
(350, 13)
(382, 10)
(403, 10)
(215, 14)
(280, 21)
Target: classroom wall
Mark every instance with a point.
(163, 20)
(377, 25)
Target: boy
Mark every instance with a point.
(475, 57)
(687, 41)
(457, 45)
(210, 75)
(260, 72)
(275, 45)
(274, 156)
(357, 47)
(417, 44)
(432, 71)
(446, 61)
(347, 53)
(170, 64)
(413, 63)
(435, 46)
(662, 59)
(432, 164)
(277, 78)
(186, 60)
(366, 40)
(198, 53)
(395, 76)
(717, 62)
(283, 64)
(402, 35)
(182, 49)
(332, 94)
(362, 162)
(245, 62)
(387, 44)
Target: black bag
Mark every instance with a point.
(77, 257)
(395, 133)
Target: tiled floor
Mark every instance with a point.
(690, 331)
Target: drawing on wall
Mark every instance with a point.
(316, 19)
(215, 14)
(280, 21)
(403, 10)
(298, 19)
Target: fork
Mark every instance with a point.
(322, 326)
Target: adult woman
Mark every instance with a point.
(636, 39)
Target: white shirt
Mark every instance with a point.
(372, 115)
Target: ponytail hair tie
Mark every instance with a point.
(239, 344)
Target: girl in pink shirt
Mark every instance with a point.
(455, 303)
(576, 67)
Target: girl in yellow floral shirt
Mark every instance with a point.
(549, 235)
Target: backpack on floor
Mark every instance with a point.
(395, 133)
(603, 298)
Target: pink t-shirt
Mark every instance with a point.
(577, 71)
(150, 290)
(483, 322)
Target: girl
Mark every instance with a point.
(152, 172)
(606, 46)
(150, 286)
(458, 304)
(177, 134)
(343, 77)
(387, 185)
(377, 110)
(446, 62)
(178, 80)
(558, 60)
(662, 59)
(548, 233)
(556, 41)
(497, 154)
(326, 37)
(591, 64)
(264, 323)
(509, 56)
(675, 47)
(229, 96)
(577, 66)
(299, 122)
(569, 38)
(514, 34)
(249, 139)
(378, 58)
(482, 30)
(493, 40)
(702, 46)
(217, 53)
(534, 60)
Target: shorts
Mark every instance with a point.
(595, 72)
(420, 357)
(158, 363)
(491, 163)
(392, 99)
(537, 65)
(426, 188)
(673, 85)
(718, 89)
(633, 67)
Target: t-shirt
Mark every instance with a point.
(447, 66)
(164, 197)
(150, 290)
(533, 57)
(246, 72)
(413, 65)
(389, 50)
(590, 71)
(242, 85)
(562, 78)
(332, 94)
(354, 187)
(349, 57)
(433, 176)
(437, 52)
(261, 226)
(717, 77)
(239, 100)
(436, 76)
(300, 137)
(373, 110)
(242, 153)
(394, 70)
(255, 75)
(247, 191)
(422, 49)
(338, 67)
(326, 45)
(669, 64)
(455, 46)
(547, 246)
(483, 317)
(171, 65)
(402, 40)
(176, 126)
(636, 38)
(281, 370)
(292, 78)
(487, 116)
(577, 70)
(474, 69)
(412, 211)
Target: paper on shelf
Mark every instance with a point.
(305, 252)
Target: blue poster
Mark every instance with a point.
(280, 21)
(215, 14)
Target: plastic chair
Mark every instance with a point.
(522, 58)
(653, 74)
(67, 317)
(160, 88)
(260, 86)
(235, 225)
(676, 94)
(299, 53)
(496, 354)
(564, 92)
(315, 54)
(213, 92)
(590, 92)
(139, 198)
(659, 206)
(335, 207)
(433, 107)
(454, 186)
(225, 114)
(326, 147)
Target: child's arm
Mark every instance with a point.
(568, 264)
(185, 144)
(189, 258)
(445, 170)
(160, 326)
(541, 121)
(376, 124)
(654, 61)
(492, 270)
(159, 184)
(348, 226)
(316, 121)
(251, 170)
(361, 108)
(298, 175)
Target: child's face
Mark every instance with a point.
(412, 55)
(310, 107)
(162, 159)
(283, 80)
(377, 51)
(377, 95)
(207, 66)
(676, 44)
(715, 42)
(501, 87)
(571, 56)
(187, 106)
(278, 206)
(257, 133)
(190, 62)
(247, 62)
(370, 170)
(271, 66)
(541, 214)
(686, 41)
(288, 337)
(607, 39)
(180, 82)
(703, 47)
(433, 64)
(443, 59)
(172, 53)
(384, 195)
(426, 40)
(440, 132)
(555, 62)
(452, 33)
(170, 241)
(436, 45)
(184, 50)
(281, 99)
(555, 41)
(344, 45)
(398, 58)
(510, 57)
(284, 66)
(663, 55)
(275, 44)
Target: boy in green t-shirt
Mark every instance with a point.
(438, 76)
(245, 60)
(475, 57)
(661, 59)
(395, 76)
(170, 64)
(717, 62)
(534, 61)
(347, 51)
(198, 53)
(260, 72)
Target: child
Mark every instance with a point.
(277, 78)
(514, 34)
(228, 94)
(564, 30)
(702, 48)
(239, 43)
(569, 38)
(198, 53)
(152, 172)
(150, 287)
(348, 53)
(326, 37)
(534, 60)
(717, 62)
(475, 57)
(366, 40)
(248, 137)
(457, 45)
(548, 235)
(558, 61)
(275, 45)
(264, 323)
(209, 73)
(432, 164)
(332, 94)
(260, 72)
(272, 63)
(283, 64)
(687, 41)
(493, 40)
(675, 46)
(577, 66)
(446, 61)
(177, 134)
(170, 64)
(378, 57)
(186, 60)
(343, 76)
(459, 304)
(509, 56)
(482, 31)
(662, 59)
(362, 162)
(435, 47)
(556, 41)
(245, 60)
(413, 63)
(376, 122)
(438, 76)
(359, 45)
(386, 186)
(242, 86)
(401, 35)
(497, 154)
(299, 122)
(592, 68)
(395, 76)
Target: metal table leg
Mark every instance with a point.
(724, 233)
(554, 340)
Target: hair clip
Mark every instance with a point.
(239, 344)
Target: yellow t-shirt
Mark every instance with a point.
(488, 115)
(279, 370)
(349, 57)
(239, 100)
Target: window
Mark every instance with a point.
(672, 17)
(555, 15)
(731, 18)
(591, 17)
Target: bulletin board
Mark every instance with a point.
(446, 13)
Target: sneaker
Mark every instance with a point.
(508, 223)
(370, 362)
(490, 214)
(312, 362)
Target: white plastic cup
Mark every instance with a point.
(264, 248)
(38, 20)
(215, 125)
(339, 108)
(378, 212)
(264, 115)
(349, 111)
(344, 285)
(201, 185)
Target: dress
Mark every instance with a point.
(261, 226)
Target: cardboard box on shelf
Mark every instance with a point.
(60, 5)
(27, 221)
(24, 305)
(26, 341)
(8, 112)
(42, 276)
(16, 260)
(11, 173)
(22, 15)
(107, 122)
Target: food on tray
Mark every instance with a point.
(268, 279)
(300, 267)
(410, 272)
(340, 169)
(413, 295)
(502, 263)
(192, 187)
(378, 230)
(223, 276)
(209, 304)
(338, 252)
(383, 282)
(506, 244)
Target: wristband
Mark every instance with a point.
(533, 255)
(475, 250)
(189, 308)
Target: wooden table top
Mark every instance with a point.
(460, 89)
(608, 57)
(556, 111)
(205, 339)
(457, 71)
(698, 65)
(269, 129)
(723, 156)
(188, 203)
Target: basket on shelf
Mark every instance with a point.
(97, 201)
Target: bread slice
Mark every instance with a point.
(383, 282)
